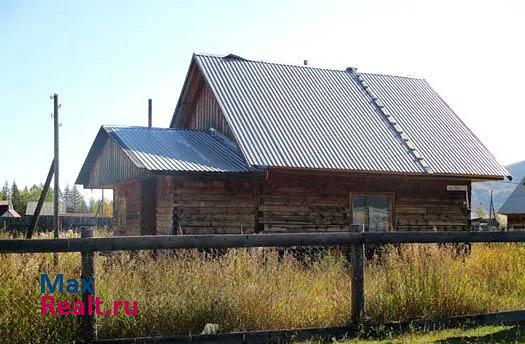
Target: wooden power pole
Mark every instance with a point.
(56, 221)
(41, 199)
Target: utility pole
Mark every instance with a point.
(56, 221)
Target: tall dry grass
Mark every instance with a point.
(429, 280)
(260, 289)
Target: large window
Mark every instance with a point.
(373, 211)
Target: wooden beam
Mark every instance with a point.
(153, 242)
(89, 323)
(358, 278)
(41, 199)
(56, 200)
(328, 333)
(257, 186)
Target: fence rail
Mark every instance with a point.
(356, 240)
(326, 333)
(159, 242)
(45, 222)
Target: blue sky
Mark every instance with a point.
(105, 58)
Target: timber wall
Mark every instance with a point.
(287, 202)
(295, 202)
(127, 208)
(515, 221)
(165, 200)
(207, 206)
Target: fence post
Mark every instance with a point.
(358, 278)
(89, 324)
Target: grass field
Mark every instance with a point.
(486, 334)
(256, 290)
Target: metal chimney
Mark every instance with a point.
(150, 113)
(305, 62)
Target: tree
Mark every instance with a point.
(19, 198)
(78, 204)
(16, 199)
(24, 198)
(50, 193)
(5, 192)
(65, 197)
(94, 208)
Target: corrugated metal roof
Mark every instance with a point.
(10, 213)
(304, 117)
(160, 149)
(293, 116)
(515, 204)
(47, 208)
(443, 139)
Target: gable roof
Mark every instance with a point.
(10, 213)
(47, 208)
(515, 204)
(160, 150)
(290, 116)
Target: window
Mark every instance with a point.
(373, 211)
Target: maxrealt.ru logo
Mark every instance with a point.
(93, 305)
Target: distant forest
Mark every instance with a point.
(70, 196)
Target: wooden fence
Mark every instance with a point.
(356, 239)
(45, 222)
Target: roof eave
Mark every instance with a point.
(392, 173)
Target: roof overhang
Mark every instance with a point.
(341, 172)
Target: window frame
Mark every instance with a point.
(391, 212)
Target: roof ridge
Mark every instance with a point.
(380, 107)
(396, 76)
(240, 58)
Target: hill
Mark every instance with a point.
(502, 189)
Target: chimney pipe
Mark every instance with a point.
(305, 62)
(149, 113)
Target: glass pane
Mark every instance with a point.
(378, 213)
(359, 210)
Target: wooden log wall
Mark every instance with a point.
(127, 208)
(288, 202)
(207, 206)
(301, 202)
(516, 222)
(165, 199)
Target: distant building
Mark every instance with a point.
(514, 207)
(47, 208)
(6, 210)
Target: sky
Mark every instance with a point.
(106, 58)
